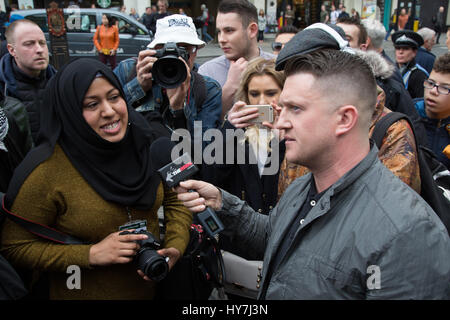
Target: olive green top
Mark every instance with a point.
(56, 195)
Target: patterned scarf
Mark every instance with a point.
(3, 129)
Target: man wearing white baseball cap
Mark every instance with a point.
(197, 98)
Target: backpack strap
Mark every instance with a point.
(36, 228)
(383, 125)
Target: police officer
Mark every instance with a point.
(406, 43)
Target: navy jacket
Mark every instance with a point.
(15, 83)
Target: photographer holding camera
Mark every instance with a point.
(163, 78)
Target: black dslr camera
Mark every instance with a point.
(148, 260)
(169, 71)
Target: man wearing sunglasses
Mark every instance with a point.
(435, 109)
(283, 36)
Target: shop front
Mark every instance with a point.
(307, 12)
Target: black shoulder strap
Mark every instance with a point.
(383, 124)
(199, 87)
(38, 229)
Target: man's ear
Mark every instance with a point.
(364, 46)
(252, 30)
(10, 48)
(347, 117)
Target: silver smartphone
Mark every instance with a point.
(265, 113)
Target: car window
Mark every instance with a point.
(83, 23)
(126, 27)
(40, 20)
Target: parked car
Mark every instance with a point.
(81, 25)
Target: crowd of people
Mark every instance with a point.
(337, 212)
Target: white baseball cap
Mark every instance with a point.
(176, 28)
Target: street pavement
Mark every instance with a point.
(213, 50)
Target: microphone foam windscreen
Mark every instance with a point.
(160, 152)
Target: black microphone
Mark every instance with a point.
(178, 170)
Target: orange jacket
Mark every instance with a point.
(106, 38)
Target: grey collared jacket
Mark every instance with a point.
(368, 237)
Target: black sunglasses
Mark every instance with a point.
(276, 46)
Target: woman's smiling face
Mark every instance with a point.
(105, 110)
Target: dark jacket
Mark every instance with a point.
(439, 22)
(15, 83)
(153, 18)
(413, 77)
(17, 141)
(146, 20)
(367, 225)
(425, 58)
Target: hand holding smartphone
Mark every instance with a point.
(265, 113)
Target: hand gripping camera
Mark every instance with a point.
(169, 71)
(147, 259)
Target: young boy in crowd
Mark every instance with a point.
(435, 109)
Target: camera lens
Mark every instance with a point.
(169, 72)
(152, 264)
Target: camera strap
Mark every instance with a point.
(39, 229)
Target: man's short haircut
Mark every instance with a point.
(426, 33)
(9, 33)
(246, 10)
(287, 29)
(336, 72)
(362, 38)
(375, 31)
(442, 64)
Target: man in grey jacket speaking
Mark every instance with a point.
(350, 229)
